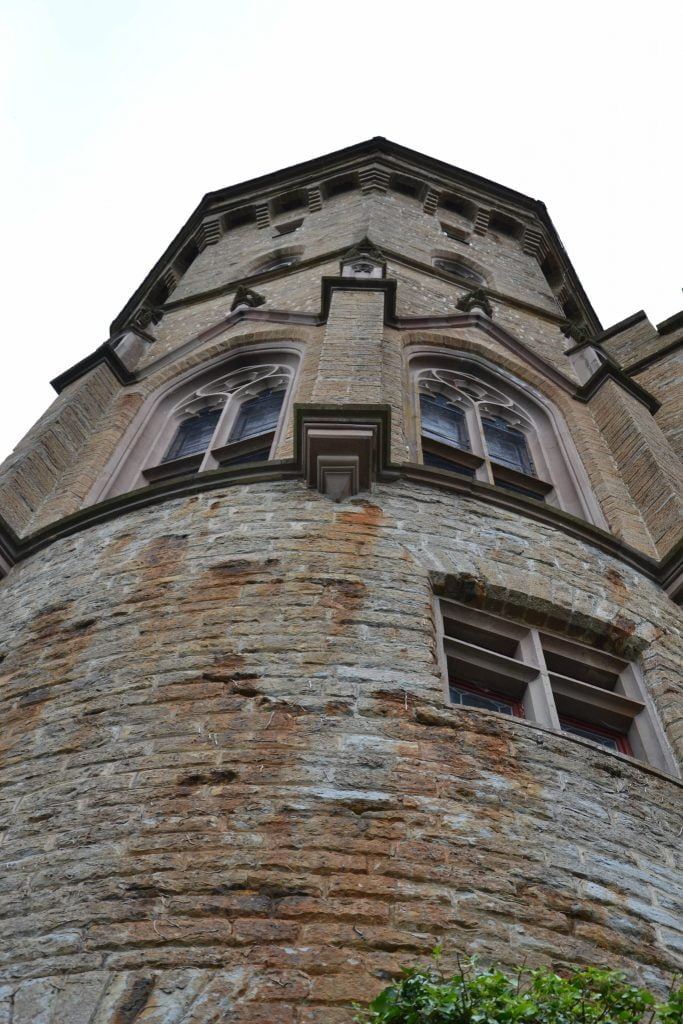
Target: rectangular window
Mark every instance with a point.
(498, 665)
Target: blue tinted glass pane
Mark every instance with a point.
(258, 456)
(442, 420)
(507, 445)
(589, 734)
(459, 695)
(258, 415)
(430, 459)
(193, 435)
(519, 490)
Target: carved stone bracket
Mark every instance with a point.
(247, 297)
(481, 221)
(431, 201)
(374, 179)
(578, 332)
(476, 300)
(363, 260)
(342, 449)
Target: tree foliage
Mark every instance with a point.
(476, 996)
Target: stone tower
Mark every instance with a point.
(339, 615)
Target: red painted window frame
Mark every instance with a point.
(623, 745)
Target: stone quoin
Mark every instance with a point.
(341, 616)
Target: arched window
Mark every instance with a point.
(506, 444)
(258, 415)
(480, 423)
(443, 420)
(458, 269)
(222, 416)
(193, 435)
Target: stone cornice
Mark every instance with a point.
(104, 355)
(333, 255)
(398, 158)
(14, 549)
(10, 547)
(633, 369)
(609, 371)
(672, 323)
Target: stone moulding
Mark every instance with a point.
(582, 393)
(106, 355)
(609, 371)
(374, 160)
(667, 573)
(342, 449)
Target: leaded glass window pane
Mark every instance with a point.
(193, 435)
(258, 415)
(606, 737)
(475, 698)
(507, 445)
(443, 421)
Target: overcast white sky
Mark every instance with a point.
(117, 117)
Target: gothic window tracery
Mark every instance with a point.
(235, 414)
(220, 417)
(477, 422)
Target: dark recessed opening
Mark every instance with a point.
(236, 218)
(406, 187)
(456, 204)
(338, 186)
(291, 201)
(571, 310)
(550, 269)
(158, 295)
(187, 257)
(504, 225)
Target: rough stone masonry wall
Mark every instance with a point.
(34, 471)
(649, 465)
(665, 380)
(233, 791)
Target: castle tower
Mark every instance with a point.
(339, 615)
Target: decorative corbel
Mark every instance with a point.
(477, 301)
(578, 332)
(363, 260)
(246, 297)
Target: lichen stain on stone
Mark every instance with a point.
(162, 552)
(133, 1001)
(19, 725)
(54, 638)
(368, 516)
(616, 582)
(119, 544)
(342, 597)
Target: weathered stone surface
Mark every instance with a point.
(231, 786)
(195, 787)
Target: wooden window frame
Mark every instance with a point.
(513, 662)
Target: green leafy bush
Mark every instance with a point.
(476, 996)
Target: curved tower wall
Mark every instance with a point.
(233, 783)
